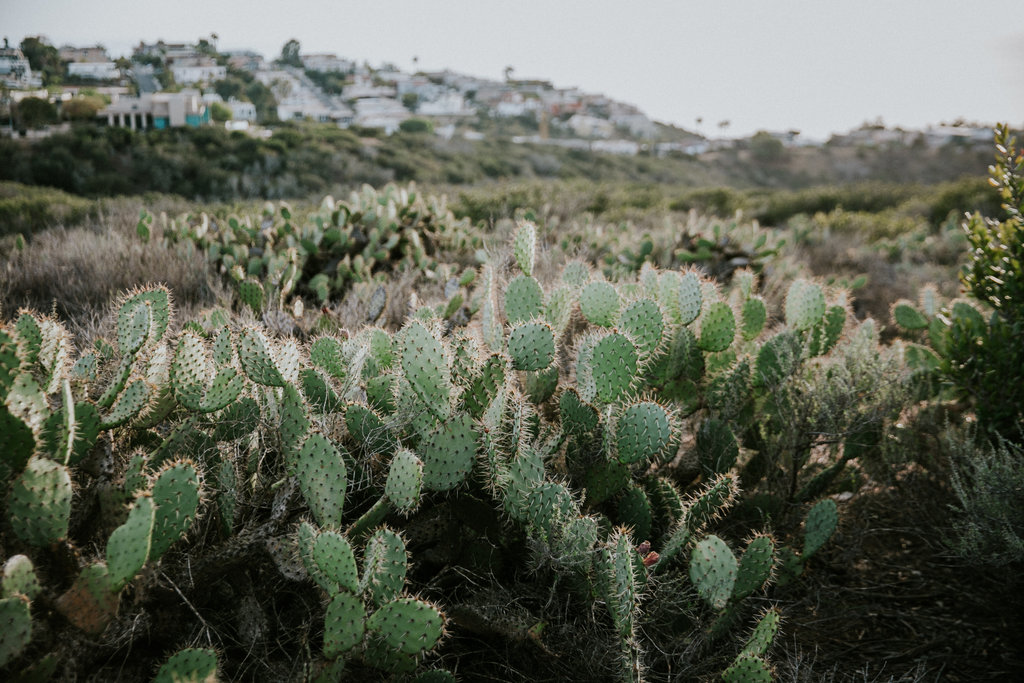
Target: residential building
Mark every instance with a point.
(380, 112)
(588, 126)
(97, 53)
(242, 111)
(157, 110)
(327, 63)
(99, 71)
(449, 104)
(191, 70)
(245, 60)
(164, 50)
(15, 71)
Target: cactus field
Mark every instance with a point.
(390, 441)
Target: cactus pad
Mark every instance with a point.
(713, 571)
(755, 566)
(405, 481)
(642, 433)
(764, 633)
(717, 327)
(408, 625)
(344, 624)
(643, 322)
(129, 544)
(485, 386)
(524, 299)
(613, 367)
(753, 316)
(820, 525)
(717, 449)
(39, 506)
(425, 368)
(17, 627)
(748, 668)
(635, 512)
(524, 246)
(531, 346)
(19, 576)
(688, 297)
(176, 496)
(577, 416)
(89, 603)
(805, 305)
(323, 479)
(333, 555)
(385, 563)
(192, 665)
(599, 303)
(617, 581)
(906, 315)
(448, 454)
(257, 359)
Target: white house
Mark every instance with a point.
(15, 71)
(448, 104)
(327, 63)
(197, 70)
(242, 111)
(380, 112)
(588, 126)
(100, 71)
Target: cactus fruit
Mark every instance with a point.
(449, 453)
(426, 369)
(15, 627)
(408, 625)
(820, 525)
(717, 327)
(755, 566)
(713, 571)
(642, 433)
(531, 346)
(524, 299)
(805, 305)
(599, 303)
(176, 497)
(748, 668)
(385, 563)
(39, 506)
(524, 246)
(337, 563)
(192, 665)
(19, 576)
(323, 479)
(405, 481)
(344, 624)
(129, 545)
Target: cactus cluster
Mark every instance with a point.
(565, 410)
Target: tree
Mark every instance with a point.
(35, 112)
(290, 53)
(220, 112)
(82, 108)
(766, 149)
(44, 58)
(415, 126)
(411, 101)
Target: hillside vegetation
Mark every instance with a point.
(579, 431)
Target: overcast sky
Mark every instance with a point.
(818, 66)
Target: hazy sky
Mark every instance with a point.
(814, 65)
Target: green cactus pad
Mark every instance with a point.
(617, 582)
(604, 479)
(575, 542)
(717, 327)
(717, 449)
(688, 296)
(788, 566)
(753, 317)
(548, 505)
(323, 479)
(764, 633)
(525, 472)
(484, 386)
(643, 322)
(238, 420)
(16, 631)
(319, 393)
(805, 305)
(344, 624)
(326, 353)
(129, 544)
(577, 416)
(776, 359)
(333, 555)
(250, 293)
(190, 371)
(541, 385)
(192, 665)
(821, 523)
(531, 346)
(426, 369)
(575, 273)
(713, 571)
(385, 563)
(666, 502)
(729, 390)
(368, 429)
(558, 308)
(524, 246)
(39, 506)
(30, 338)
(613, 367)
(524, 299)
(257, 360)
(642, 433)
(17, 443)
(176, 496)
(405, 481)
(129, 404)
(19, 576)
(304, 543)
(635, 512)
(408, 625)
(448, 453)
(906, 315)
(755, 566)
(748, 668)
(599, 303)
(27, 402)
(710, 502)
